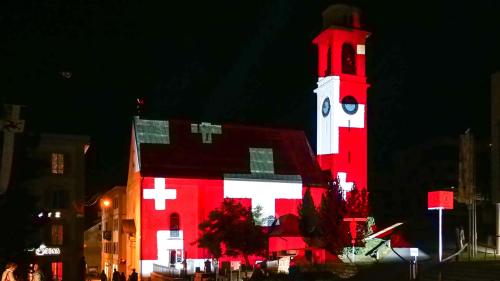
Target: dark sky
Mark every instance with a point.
(251, 62)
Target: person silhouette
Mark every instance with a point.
(103, 276)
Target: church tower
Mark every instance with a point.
(341, 97)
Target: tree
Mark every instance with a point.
(231, 230)
(357, 203)
(357, 207)
(309, 219)
(333, 230)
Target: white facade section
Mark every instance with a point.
(147, 267)
(167, 242)
(262, 193)
(160, 193)
(346, 186)
(328, 132)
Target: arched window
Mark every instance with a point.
(348, 59)
(328, 70)
(175, 223)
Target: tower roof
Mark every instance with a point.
(341, 15)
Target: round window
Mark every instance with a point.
(350, 105)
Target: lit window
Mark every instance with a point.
(261, 160)
(57, 271)
(57, 234)
(57, 163)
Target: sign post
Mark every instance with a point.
(413, 263)
(440, 200)
(352, 229)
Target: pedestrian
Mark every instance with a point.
(37, 274)
(184, 267)
(103, 276)
(122, 276)
(208, 266)
(83, 268)
(8, 274)
(115, 276)
(133, 276)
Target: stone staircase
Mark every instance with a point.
(464, 271)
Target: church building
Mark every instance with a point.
(179, 171)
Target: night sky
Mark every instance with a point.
(250, 62)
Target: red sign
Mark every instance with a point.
(440, 199)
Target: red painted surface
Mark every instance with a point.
(352, 156)
(440, 199)
(195, 198)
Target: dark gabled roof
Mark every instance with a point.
(178, 152)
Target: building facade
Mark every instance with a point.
(60, 189)
(180, 171)
(92, 248)
(113, 204)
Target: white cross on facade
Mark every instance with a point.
(206, 130)
(10, 125)
(346, 186)
(160, 194)
(328, 132)
(262, 193)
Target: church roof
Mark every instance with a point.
(177, 148)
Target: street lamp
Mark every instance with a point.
(105, 202)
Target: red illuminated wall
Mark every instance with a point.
(195, 198)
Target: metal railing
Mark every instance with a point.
(170, 271)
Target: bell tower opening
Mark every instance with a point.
(348, 59)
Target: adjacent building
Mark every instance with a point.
(59, 187)
(92, 248)
(113, 206)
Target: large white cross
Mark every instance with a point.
(262, 193)
(10, 125)
(159, 194)
(346, 186)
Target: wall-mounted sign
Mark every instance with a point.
(47, 251)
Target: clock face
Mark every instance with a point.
(325, 109)
(350, 105)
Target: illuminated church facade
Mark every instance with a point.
(179, 171)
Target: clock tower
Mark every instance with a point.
(341, 97)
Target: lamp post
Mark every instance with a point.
(105, 204)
